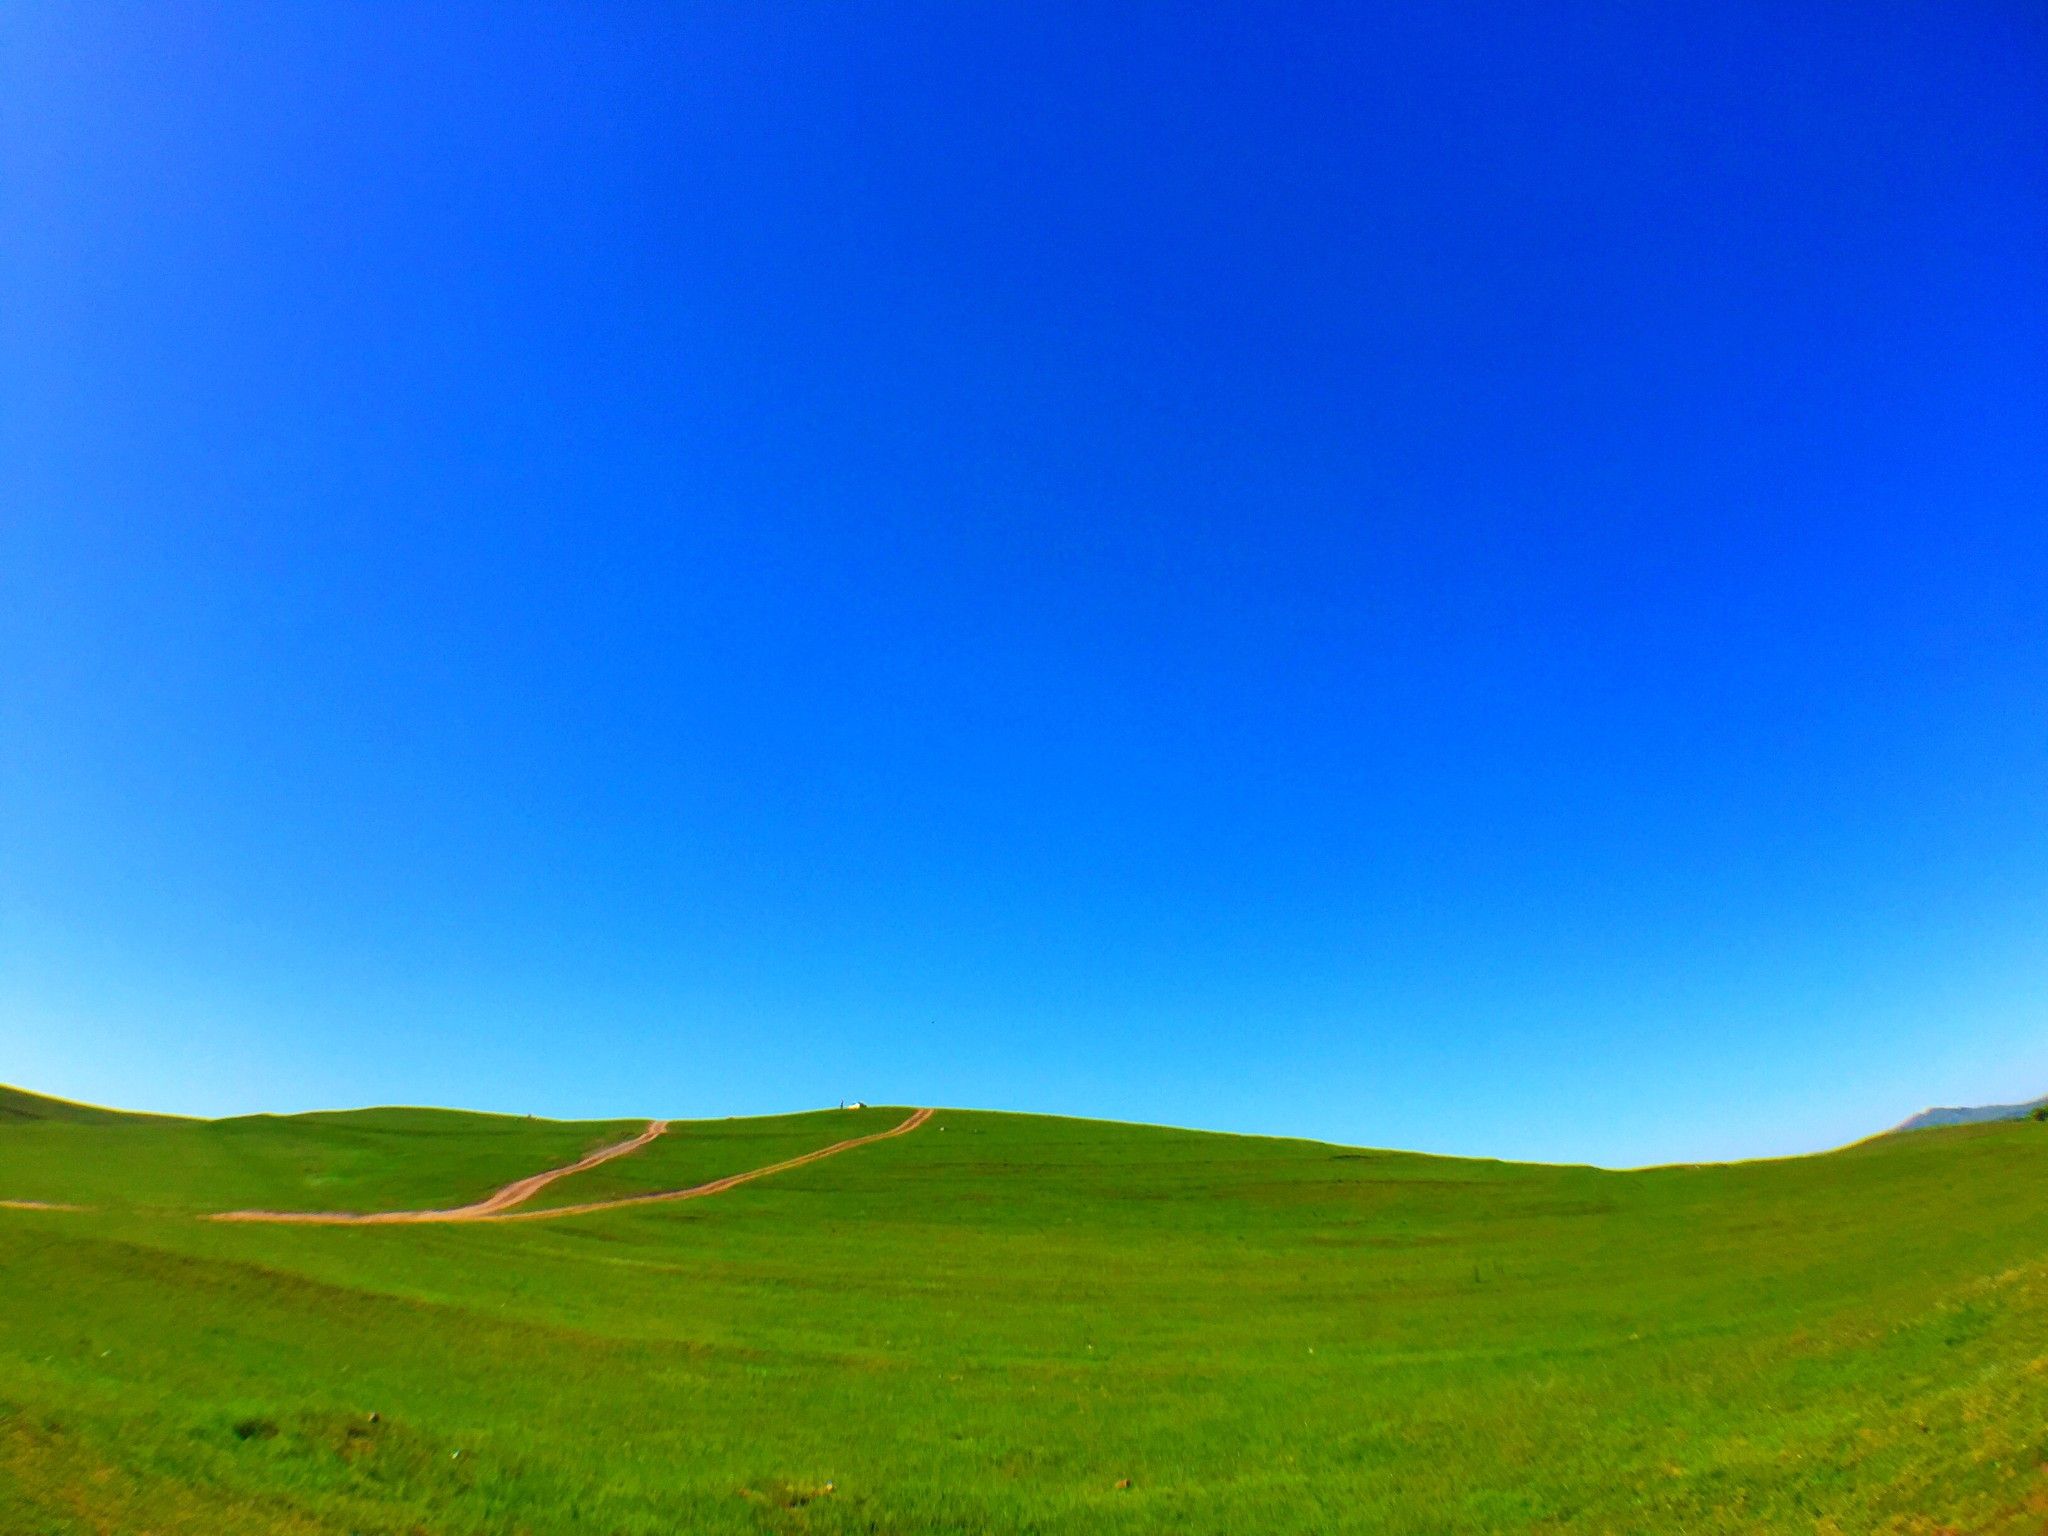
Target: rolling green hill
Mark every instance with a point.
(354, 1160)
(1010, 1323)
(18, 1105)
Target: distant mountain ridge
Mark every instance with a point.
(1971, 1116)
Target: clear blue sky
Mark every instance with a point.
(1450, 577)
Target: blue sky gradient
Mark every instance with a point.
(1472, 581)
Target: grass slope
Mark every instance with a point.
(353, 1160)
(18, 1104)
(993, 1323)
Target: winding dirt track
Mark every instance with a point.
(516, 1193)
(719, 1186)
(499, 1206)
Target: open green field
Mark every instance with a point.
(1009, 1323)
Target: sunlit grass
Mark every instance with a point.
(1004, 1323)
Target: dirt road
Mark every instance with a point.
(719, 1186)
(501, 1206)
(515, 1193)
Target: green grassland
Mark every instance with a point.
(18, 1106)
(358, 1160)
(1009, 1323)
